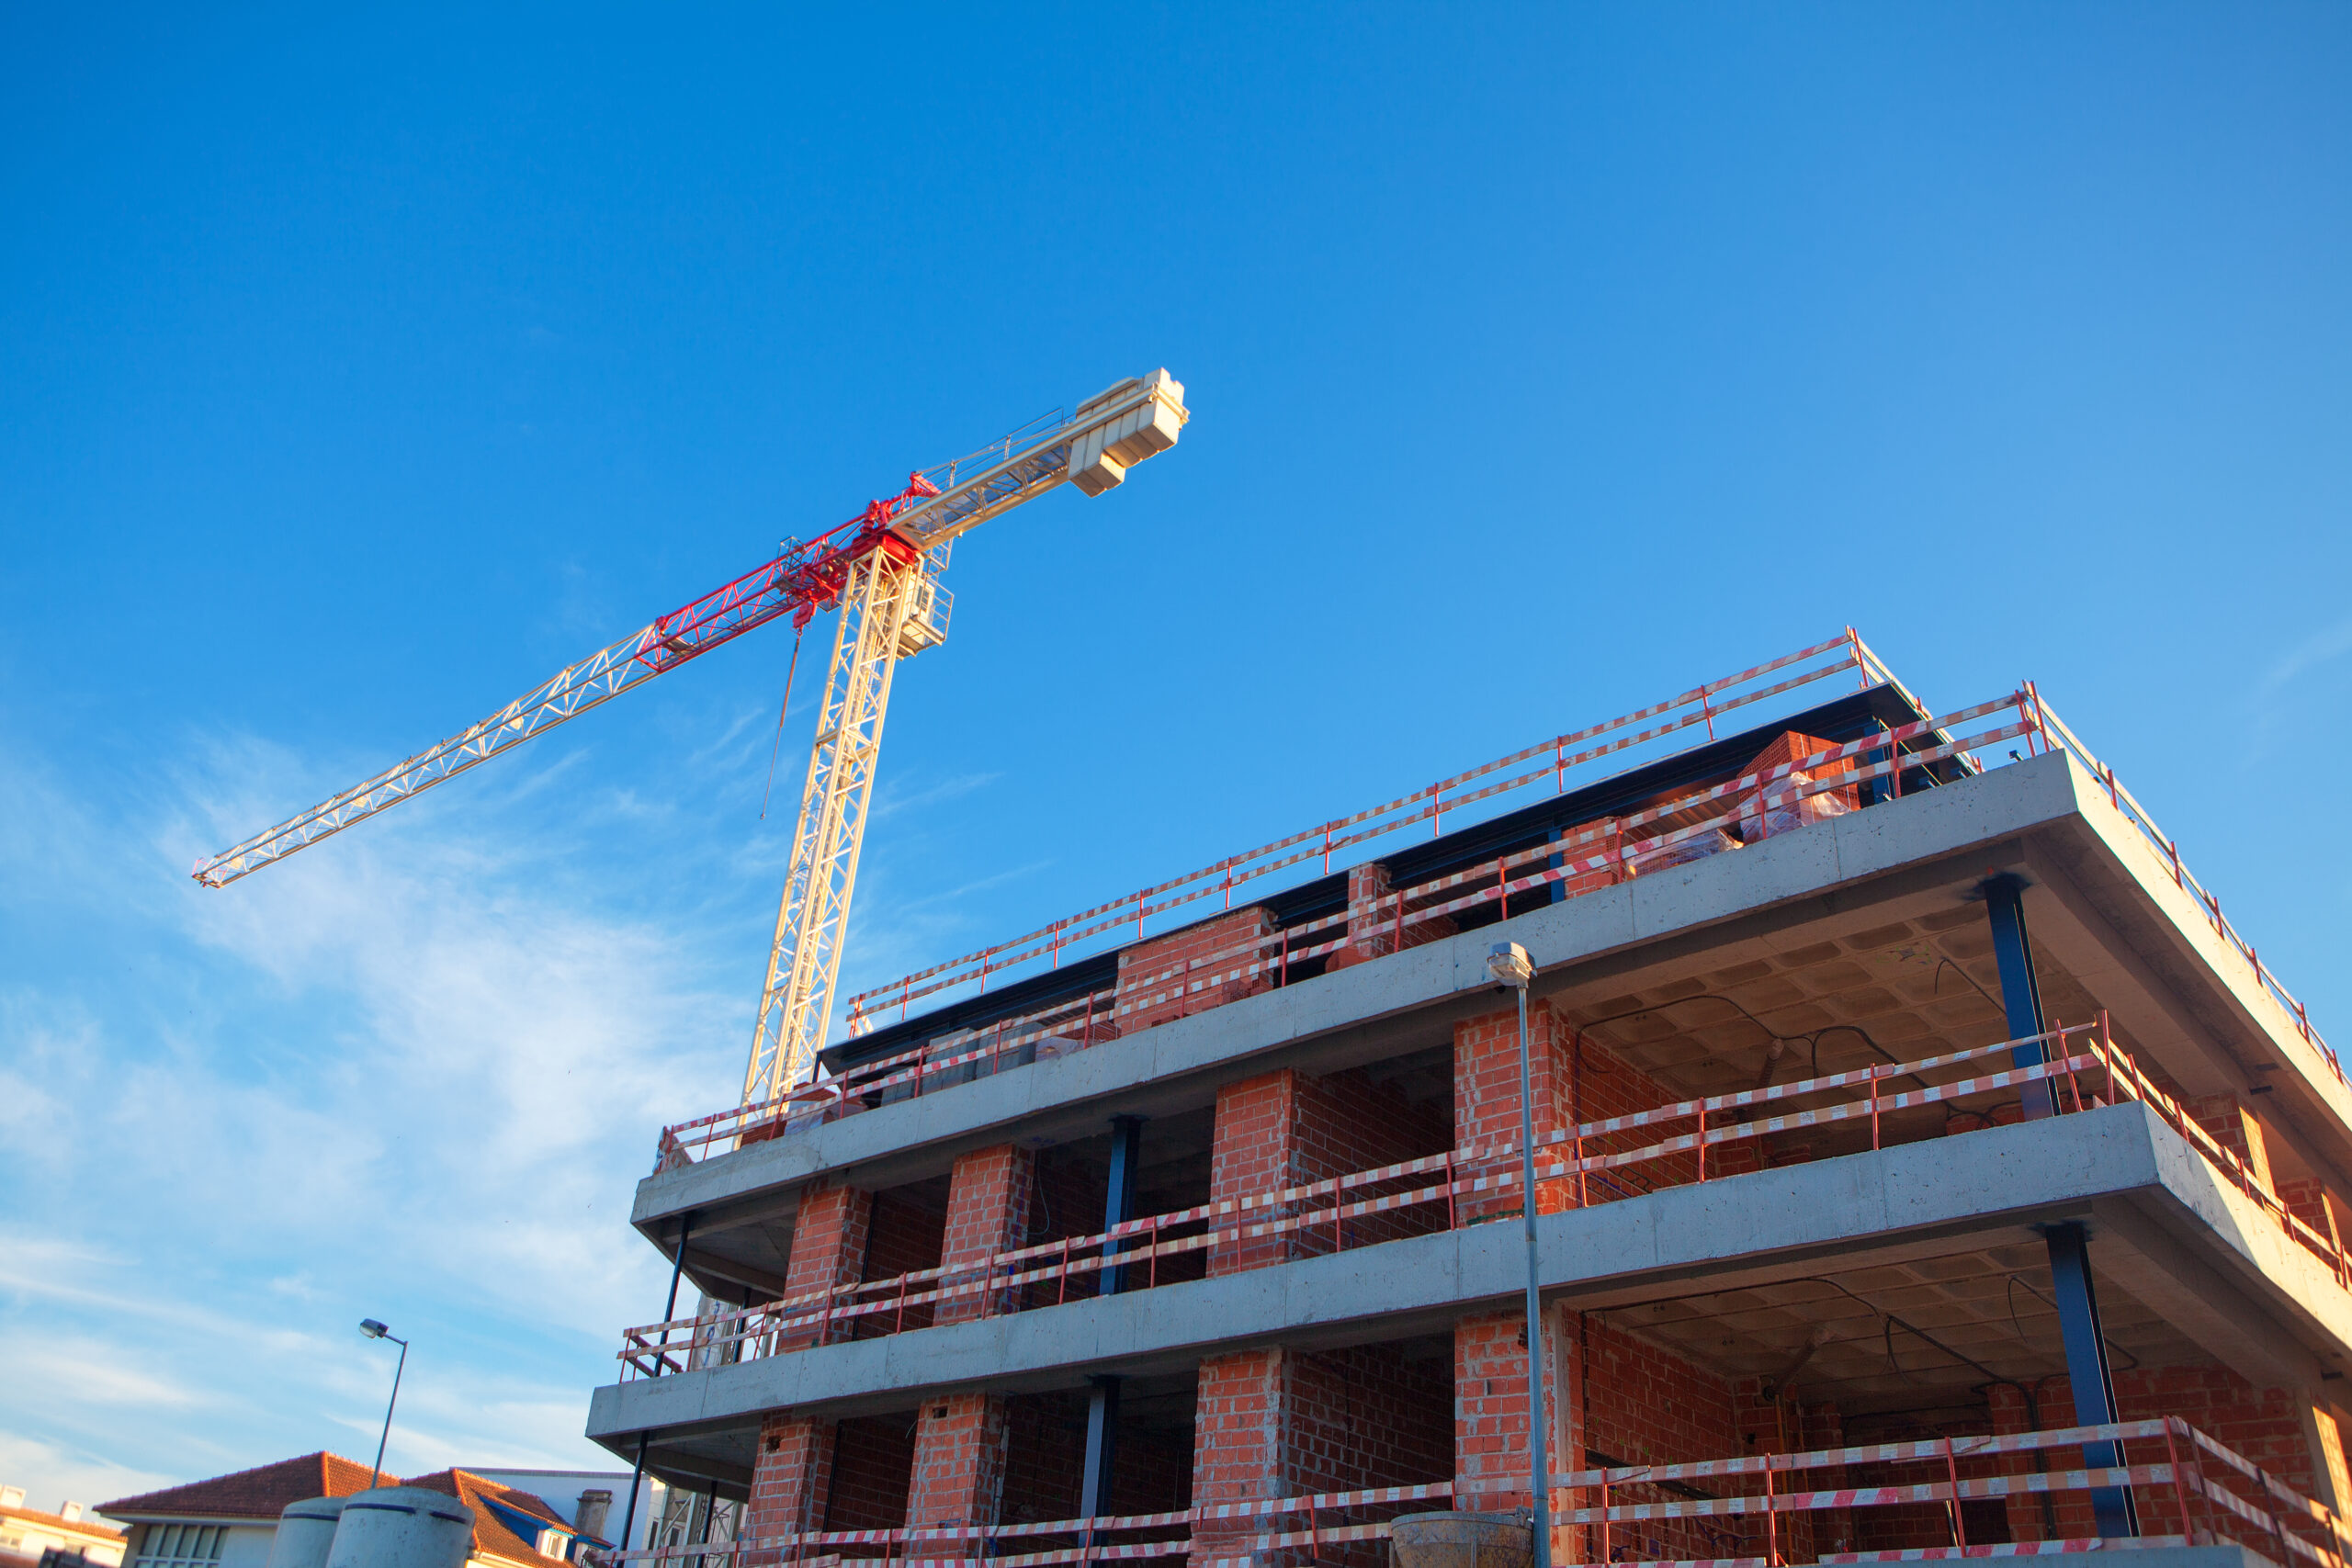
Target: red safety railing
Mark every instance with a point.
(1124, 918)
(1729, 815)
(1580, 1165)
(2053, 732)
(1768, 1510)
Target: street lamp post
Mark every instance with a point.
(374, 1330)
(1509, 964)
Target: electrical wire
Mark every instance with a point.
(775, 751)
(1810, 1042)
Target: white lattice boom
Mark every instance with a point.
(881, 568)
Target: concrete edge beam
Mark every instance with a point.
(1762, 1224)
(1422, 989)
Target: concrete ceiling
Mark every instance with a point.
(1898, 1334)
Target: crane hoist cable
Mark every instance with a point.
(880, 569)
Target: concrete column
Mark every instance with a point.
(792, 1478)
(988, 1213)
(958, 1466)
(829, 1237)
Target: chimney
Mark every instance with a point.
(589, 1518)
(68, 1512)
(12, 1496)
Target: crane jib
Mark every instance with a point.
(880, 569)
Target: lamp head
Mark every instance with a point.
(373, 1329)
(1509, 964)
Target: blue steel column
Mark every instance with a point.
(1102, 1440)
(2020, 991)
(1102, 1402)
(2070, 1262)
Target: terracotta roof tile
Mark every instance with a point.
(85, 1524)
(261, 1493)
(493, 1537)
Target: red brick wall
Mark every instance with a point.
(1044, 1457)
(2265, 1424)
(988, 1213)
(2232, 1126)
(791, 1478)
(873, 1464)
(1637, 1404)
(1576, 1080)
(903, 1236)
(1364, 1416)
(1282, 1423)
(1068, 1201)
(1286, 1129)
(1150, 1474)
(2309, 1201)
(1490, 1438)
(1169, 977)
(959, 1468)
(829, 1237)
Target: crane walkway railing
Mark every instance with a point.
(1753, 1511)
(1598, 1161)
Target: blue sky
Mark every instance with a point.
(355, 374)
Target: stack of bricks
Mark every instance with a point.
(1378, 921)
(1197, 968)
(828, 1240)
(1756, 823)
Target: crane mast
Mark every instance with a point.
(881, 569)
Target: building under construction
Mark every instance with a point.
(1926, 1166)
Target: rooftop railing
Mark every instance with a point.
(1611, 849)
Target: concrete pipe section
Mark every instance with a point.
(402, 1527)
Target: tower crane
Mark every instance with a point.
(881, 570)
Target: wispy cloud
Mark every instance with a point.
(412, 1075)
(2313, 651)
